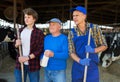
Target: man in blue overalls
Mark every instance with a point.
(78, 38)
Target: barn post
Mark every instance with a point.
(14, 13)
(18, 36)
(70, 14)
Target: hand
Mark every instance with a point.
(22, 59)
(49, 53)
(18, 42)
(89, 49)
(85, 61)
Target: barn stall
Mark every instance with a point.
(101, 12)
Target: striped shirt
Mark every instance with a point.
(96, 33)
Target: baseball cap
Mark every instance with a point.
(55, 20)
(79, 8)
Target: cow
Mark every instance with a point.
(7, 35)
(116, 47)
(112, 53)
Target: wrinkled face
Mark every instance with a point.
(29, 20)
(78, 17)
(54, 27)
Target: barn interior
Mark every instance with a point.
(102, 12)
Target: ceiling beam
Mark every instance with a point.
(67, 4)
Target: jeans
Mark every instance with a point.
(33, 76)
(55, 76)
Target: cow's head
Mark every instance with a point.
(106, 61)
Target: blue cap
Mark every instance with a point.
(55, 20)
(79, 8)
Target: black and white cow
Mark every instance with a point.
(7, 35)
(113, 52)
(116, 47)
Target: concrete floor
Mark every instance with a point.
(6, 72)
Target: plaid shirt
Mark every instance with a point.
(36, 48)
(96, 33)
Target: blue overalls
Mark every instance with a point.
(78, 70)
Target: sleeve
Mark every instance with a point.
(99, 38)
(64, 53)
(71, 44)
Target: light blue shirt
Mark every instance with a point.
(58, 45)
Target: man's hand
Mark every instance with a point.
(49, 53)
(18, 43)
(22, 59)
(85, 61)
(89, 49)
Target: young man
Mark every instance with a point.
(78, 39)
(56, 48)
(32, 46)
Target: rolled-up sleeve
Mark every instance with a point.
(99, 37)
(71, 44)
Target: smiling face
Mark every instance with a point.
(54, 27)
(78, 17)
(29, 20)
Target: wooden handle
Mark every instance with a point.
(20, 52)
(87, 56)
